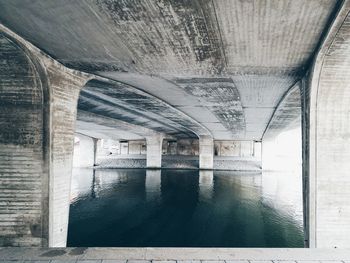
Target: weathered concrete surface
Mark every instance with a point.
(180, 162)
(116, 100)
(100, 126)
(186, 38)
(216, 47)
(65, 90)
(46, 94)
(329, 126)
(164, 65)
(23, 182)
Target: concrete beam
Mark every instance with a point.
(206, 152)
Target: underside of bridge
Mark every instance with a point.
(178, 77)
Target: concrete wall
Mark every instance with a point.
(234, 148)
(24, 178)
(329, 138)
(137, 147)
(181, 154)
(38, 111)
(187, 147)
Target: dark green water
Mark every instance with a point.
(171, 208)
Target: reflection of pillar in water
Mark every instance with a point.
(96, 186)
(153, 184)
(206, 184)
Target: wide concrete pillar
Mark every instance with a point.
(85, 153)
(65, 88)
(38, 105)
(154, 151)
(23, 164)
(206, 152)
(327, 138)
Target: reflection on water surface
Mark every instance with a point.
(185, 208)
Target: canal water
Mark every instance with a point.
(184, 208)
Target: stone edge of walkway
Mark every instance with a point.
(277, 254)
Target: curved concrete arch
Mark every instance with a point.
(287, 113)
(326, 137)
(138, 107)
(60, 103)
(23, 147)
(103, 127)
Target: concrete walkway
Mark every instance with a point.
(173, 255)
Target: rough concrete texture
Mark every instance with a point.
(180, 162)
(44, 133)
(117, 100)
(23, 182)
(131, 161)
(329, 139)
(65, 90)
(218, 47)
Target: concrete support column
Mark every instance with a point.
(206, 152)
(327, 139)
(85, 153)
(65, 88)
(38, 105)
(154, 151)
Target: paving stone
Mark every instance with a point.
(89, 261)
(139, 261)
(163, 261)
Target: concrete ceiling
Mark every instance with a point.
(225, 64)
